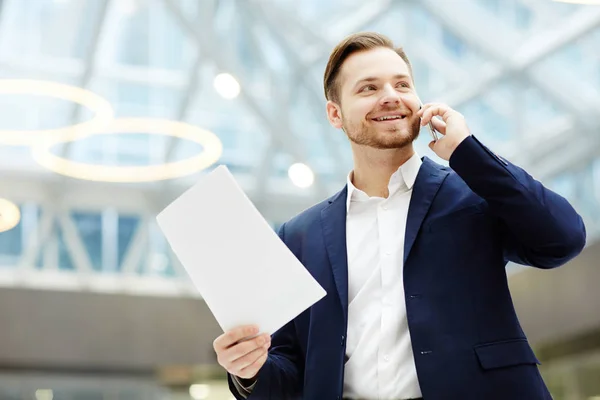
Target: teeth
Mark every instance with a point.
(390, 117)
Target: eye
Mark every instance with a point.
(367, 88)
(403, 85)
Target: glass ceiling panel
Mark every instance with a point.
(47, 28)
(580, 60)
(144, 63)
(515, 13)
(145, 34)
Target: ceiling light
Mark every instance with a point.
(10, 215)
(102, 109)
(227, 86)
(211, 152)
(301, 175)
(199, 391)
(44, 394)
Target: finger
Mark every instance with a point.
(441, 110)
(240, 350)
(429, 111)
(233, 336)
(425, 107)
(422, 109)
(432, 145)
(244, 366)
(251, 370)
(439, 125)
(423, 112)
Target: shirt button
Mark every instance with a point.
(388, 253)
(386, 358)
(343, 339)
(384, 207)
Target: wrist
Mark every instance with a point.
(457, 145)
(247, 381)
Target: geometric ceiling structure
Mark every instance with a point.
(525, 73)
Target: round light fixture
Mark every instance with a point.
(301, 175)
(44, 394)
(9, 215)
(199, 391)
(227, 86)
(212, 150)
(102, 109)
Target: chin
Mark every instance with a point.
(394, 135)
(396, 140)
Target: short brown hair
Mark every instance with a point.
(353, 44)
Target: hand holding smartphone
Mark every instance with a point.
(434, 133)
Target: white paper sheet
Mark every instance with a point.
(241, 268)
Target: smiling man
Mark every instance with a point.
(412, 256)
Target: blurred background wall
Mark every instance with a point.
(94, 305)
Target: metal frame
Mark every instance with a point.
(510, 57)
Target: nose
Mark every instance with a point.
(390, 96)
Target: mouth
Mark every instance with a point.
(389, 118)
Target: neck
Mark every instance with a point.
(374, 167)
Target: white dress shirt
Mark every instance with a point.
(380, 358)
(381, 363)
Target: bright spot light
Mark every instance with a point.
(227, 86)
(301, 175)
(44, 394)
(199, 391)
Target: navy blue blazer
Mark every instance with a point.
(464, 224)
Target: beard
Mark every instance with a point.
(394, 136)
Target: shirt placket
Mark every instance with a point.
(387, 301)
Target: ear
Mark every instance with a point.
(334, 114)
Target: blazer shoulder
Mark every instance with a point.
(454, 189)
(453, 181)
(309, 216)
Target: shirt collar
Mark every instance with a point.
(406, 176)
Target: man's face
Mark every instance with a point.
(378, 103)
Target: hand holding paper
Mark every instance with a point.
(239, 357)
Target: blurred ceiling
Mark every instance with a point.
(525, 73)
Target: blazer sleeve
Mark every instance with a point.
(238, 386)
(281, 376)
(538, 227)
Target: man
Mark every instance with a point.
(412, 256)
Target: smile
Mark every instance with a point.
(389, 118)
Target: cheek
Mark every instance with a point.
(362, 108)
(411, 101)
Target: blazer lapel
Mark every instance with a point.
(429, 179)
(333, 219)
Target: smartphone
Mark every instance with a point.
(434, 133)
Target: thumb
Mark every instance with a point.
(432, 145)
